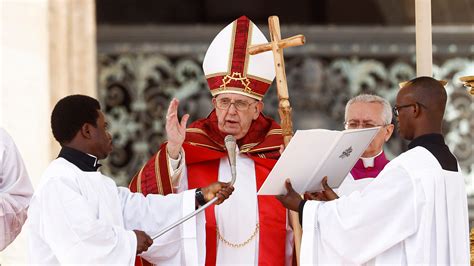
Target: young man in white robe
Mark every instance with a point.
(80, 216)
(413, 213)
(15, 190)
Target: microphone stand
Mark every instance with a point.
(230, 144)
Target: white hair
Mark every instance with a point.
(371, 98)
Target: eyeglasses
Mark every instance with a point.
(356, 124)
(240, 105)
(396, 109)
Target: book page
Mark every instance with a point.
(342, 158)
(312, 154)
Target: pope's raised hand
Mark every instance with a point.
(175, 130)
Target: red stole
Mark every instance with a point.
(272, 215)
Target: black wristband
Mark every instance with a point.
(200, 197)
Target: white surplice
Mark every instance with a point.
(350, 185)
(413, 213)
(15, 190)
(84, 218)
(237, 217)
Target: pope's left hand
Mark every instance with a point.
(282, 148)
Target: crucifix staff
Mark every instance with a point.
(284, 108)
(276, 46)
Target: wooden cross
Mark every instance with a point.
(284, 108)
(276, 46)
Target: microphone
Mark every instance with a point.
(230, 144)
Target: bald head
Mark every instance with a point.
(429, 92)
(421, 104)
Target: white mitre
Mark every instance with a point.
(228, 66)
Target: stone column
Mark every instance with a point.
(72, 50)
(48, 50)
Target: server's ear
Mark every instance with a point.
(417, 110)
(85, 131)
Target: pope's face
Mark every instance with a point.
(235, 113)
(364, 115)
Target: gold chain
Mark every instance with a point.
(239, 245)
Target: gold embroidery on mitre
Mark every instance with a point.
(238, 77)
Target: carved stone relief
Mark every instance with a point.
(135, 89)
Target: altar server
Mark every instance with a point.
(78, 215)
(413, 213)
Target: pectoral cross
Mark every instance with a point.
(284, 108)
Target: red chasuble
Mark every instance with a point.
(204, 147)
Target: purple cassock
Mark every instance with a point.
(369, 167)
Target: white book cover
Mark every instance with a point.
(315, 153)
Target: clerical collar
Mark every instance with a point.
(370, 161)
(435, 144)
(85, 162)
(360, 171)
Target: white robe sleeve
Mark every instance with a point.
(179, 176)
(153, 213)
(71, 228)
(364, 224)
(15, 191)
(176, 168)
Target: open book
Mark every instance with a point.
(315, 153)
